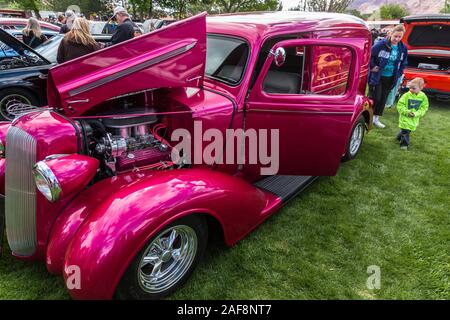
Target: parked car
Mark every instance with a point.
(106, 204)
(11, 13)
(20, 24)
(107, 27)
(23, 71)
(428, 40)
(19, 35)
(23, 75)
(153, 24)
(102, 27)
(49, 49)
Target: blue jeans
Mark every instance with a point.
(403, 137)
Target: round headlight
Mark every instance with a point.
(46, 181)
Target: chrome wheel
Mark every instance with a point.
(167, 259)
(10, 100)
(356, 139)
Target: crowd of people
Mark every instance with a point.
(78, 40)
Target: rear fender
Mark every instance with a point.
(135, 210)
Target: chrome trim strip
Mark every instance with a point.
(429, 52)
(131, 70)
(304, 112)
(20, 202)
(333, 87)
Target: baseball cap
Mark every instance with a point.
(119, 9)
(69, 13)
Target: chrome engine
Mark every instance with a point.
(126, 143)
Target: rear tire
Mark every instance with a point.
(356, 139)
(10, 96)
(166, 262)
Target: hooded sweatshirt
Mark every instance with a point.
(380, 55)
(411, 102)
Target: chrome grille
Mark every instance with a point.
(20, 202)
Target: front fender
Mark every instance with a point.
(116, 230)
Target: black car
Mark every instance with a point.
(23, 71)
(18, 34)
(23, 75)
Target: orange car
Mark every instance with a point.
(428, 40)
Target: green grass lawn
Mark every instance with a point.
(388, 208)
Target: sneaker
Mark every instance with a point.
(403, 147)
(378, 124)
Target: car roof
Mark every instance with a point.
(24, 22)
(258, 24)
(426, 18)
(16, 32)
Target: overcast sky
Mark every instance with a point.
(289, 3)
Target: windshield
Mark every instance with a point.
(434, 35)
(226, 58)
(49, 49)
(11, 58)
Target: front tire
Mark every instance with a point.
(356, 140)
(166, 261)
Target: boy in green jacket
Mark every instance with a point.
(411, 107)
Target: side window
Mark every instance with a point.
(226, 58)
(330, 70)
(265, 49)
(286, 79)
(310, 70)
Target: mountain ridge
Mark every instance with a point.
(413, 6)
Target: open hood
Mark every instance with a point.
(18, 46)
(427, 31)
(170, 57)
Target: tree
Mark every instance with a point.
(446, 8)
(32, 5)
(178, 8)
(87, 7)
(323, 5)
(230, 6)
(392, 11)
(355, 13)
(148, 8)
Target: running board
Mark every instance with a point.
(285, 187)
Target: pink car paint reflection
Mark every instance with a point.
(122, 99)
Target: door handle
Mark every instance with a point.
(78, 101)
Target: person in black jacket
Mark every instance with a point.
(125, 29)
(69, 19)
(77, 42)
(32, 34)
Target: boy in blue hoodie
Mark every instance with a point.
(411, 107)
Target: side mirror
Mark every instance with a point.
(279, 56)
